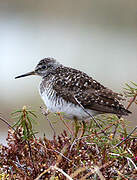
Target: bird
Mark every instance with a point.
(73, 92)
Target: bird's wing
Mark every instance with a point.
(74, 84)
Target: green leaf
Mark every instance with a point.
(16, 112)
(33, 114)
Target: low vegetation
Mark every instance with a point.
(87, 152)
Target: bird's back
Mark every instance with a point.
(74, 86)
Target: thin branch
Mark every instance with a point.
(44, 172)
(65, 124)
(3, 120)
(125, 138)
(95, 170)
(30, 151)
(132, 163)
(89, 114)
(79, 170)
(121, 175)
(77, 139)
(61, 155)
(54, 168)
(60, 170)
(131, 101)
(27, 141)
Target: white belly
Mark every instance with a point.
(70, 110)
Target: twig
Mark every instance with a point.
(77, 139)
(43, 173)
(60, 170)
(125, 138)
(95, 170)
(128, 159)
(61, 155)
(120, 174)
(58, 113)
(30, 151)
(28, 142)
(89, 115)
(79, 170)
(3, 120)
(105, 128)
(54, 168)
(131, 101)
(115, 130)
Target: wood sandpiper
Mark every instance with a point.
(73, 92)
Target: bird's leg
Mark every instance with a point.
(116, 126)
(83, 128)
(46, 112)
(76, 126)
(65, 124)
(115, 130)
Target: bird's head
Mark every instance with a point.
(43, 68)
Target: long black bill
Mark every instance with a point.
(27, 74)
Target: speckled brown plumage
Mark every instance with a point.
(69, 83)
(63, 87)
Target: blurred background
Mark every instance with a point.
(95, 36)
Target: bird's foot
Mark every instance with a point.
(46, 112)
(83, 129)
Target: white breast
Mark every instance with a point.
(55, 104)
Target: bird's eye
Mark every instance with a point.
(43, 67)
